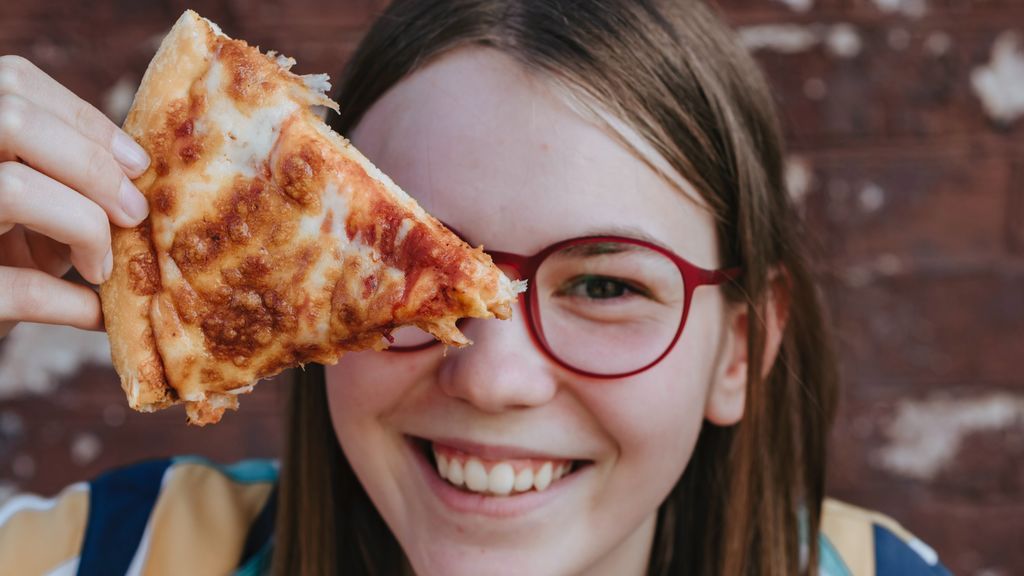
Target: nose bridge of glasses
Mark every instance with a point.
(517, 263)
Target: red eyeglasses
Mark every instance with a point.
(600, 306)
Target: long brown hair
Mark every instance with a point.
(751, 494)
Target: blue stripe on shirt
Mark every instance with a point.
(261, 530)
(894, 557)
(120, 503)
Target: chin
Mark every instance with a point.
(459, 559)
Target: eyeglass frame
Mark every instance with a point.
(526, 268)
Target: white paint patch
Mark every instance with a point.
(783, 38)
(889, 264)
(898, 39)
(842, 40)
(11, 425)
(24, 466)
(118, 99)
(1000, 84)
(815, 89)
(860, 275)
(925, 436)
(912, 8)
(85, 448)
(36, 356)
(871, 197)
(799, 178)
(114, 415)
(938, 44)
(798, 5)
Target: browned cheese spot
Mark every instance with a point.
(185, 128)
(300, 174)
(188, 304)
(211, 376)
(161, 166)
(328, 224)
(247, 319)
(143, 273)
(177, 137)
(162, 199)
(190, 151)
(197, 244)
(249, 71)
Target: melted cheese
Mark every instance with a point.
(250, 134)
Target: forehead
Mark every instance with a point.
(498, 153)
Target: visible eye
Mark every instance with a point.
(598, 288)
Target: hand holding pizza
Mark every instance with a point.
(64, 176)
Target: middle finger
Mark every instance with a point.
(50, 145)
(54, 210)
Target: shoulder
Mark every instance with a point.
(42, 535)
(859, 542)
(139, 518)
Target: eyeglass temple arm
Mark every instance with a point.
(721, 276)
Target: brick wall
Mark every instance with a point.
(905, 121)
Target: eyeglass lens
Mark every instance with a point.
(600, 307)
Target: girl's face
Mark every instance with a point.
(497, 154)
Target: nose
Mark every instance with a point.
(502, 370)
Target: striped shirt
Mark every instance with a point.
(188, 515)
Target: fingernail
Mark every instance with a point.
(108, 265)
(133, 202)
(129, 153)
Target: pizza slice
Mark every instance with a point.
(271, 241)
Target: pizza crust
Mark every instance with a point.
(135, 279)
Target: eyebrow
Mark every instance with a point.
(632, 232)
(597, 249)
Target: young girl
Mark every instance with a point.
(659, 405)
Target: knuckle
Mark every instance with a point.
(13, 116)
(101, 170)
(12, 184)
(96, 229)
(26, 293)
(87, 121)
(12, 73)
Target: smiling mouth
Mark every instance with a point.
(505, 477)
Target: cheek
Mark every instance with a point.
(362, 384)
(364, 388)
(655, 417)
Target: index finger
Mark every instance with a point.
(20, 77)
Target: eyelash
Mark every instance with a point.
(580, 281)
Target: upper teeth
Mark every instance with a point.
(502, 479)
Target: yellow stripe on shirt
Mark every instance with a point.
(37, 535)
(197, 502)
(850, 531)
